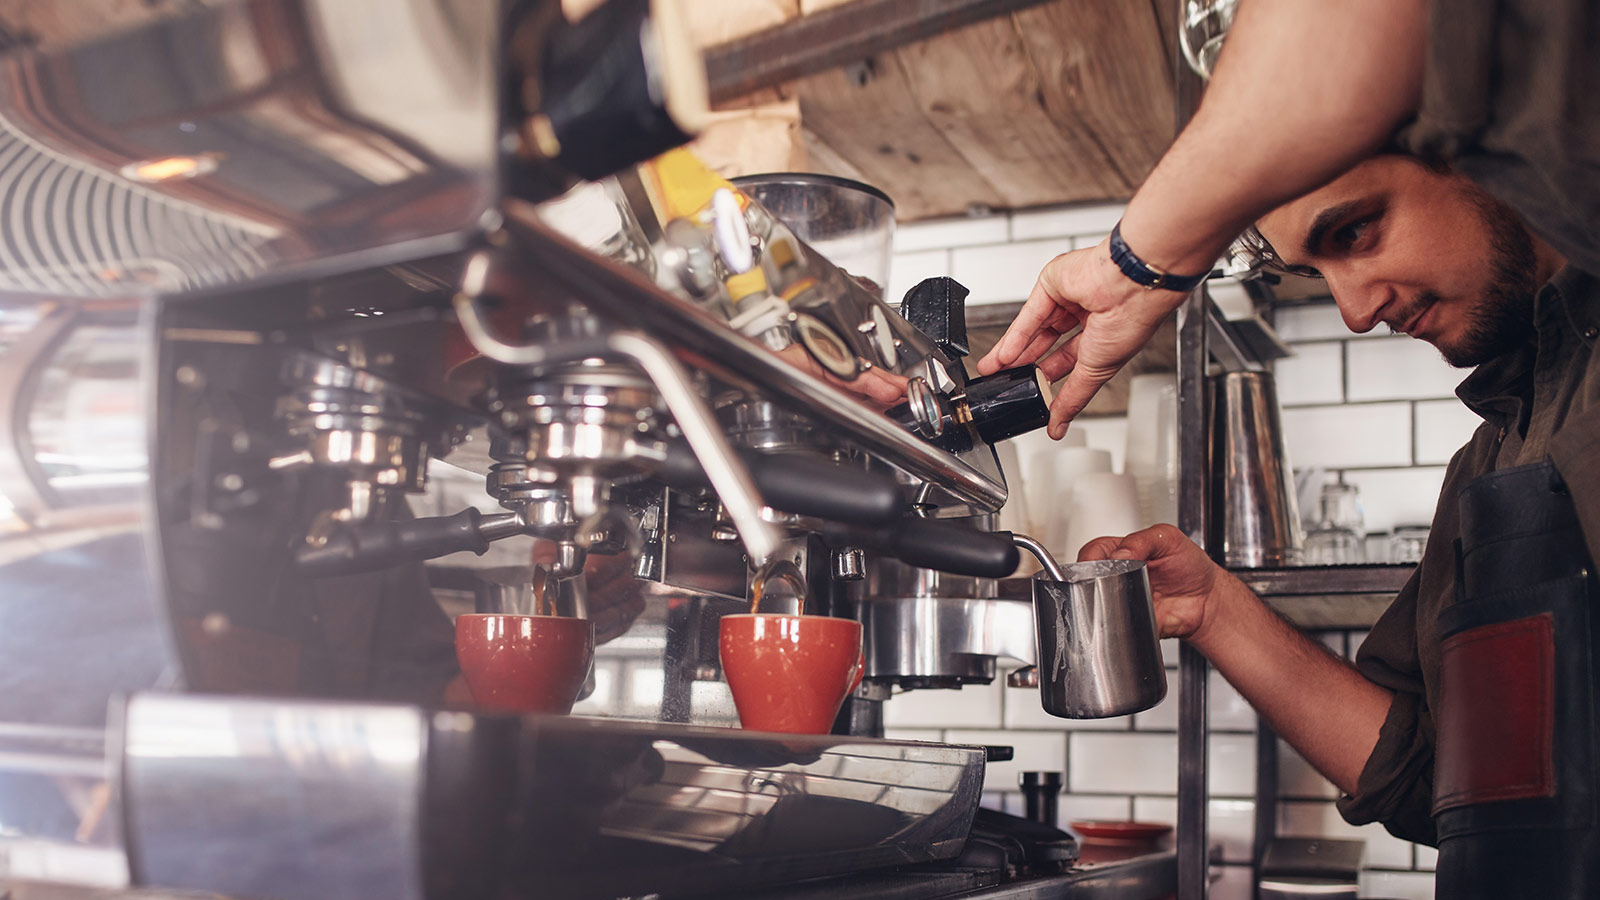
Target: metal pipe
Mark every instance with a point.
(1193, 477)
(1042, 554)
(724, 469)
(626, 295)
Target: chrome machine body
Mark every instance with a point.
(294, 369)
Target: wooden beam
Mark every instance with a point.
(835, 37)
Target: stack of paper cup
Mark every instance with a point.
(1152, 448)
(1014, 516)
(1103, 503)
(1054, 510)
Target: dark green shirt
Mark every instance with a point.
(1540, 400)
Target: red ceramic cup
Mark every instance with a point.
(524, 663)
(790, 673)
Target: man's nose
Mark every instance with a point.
(1360, 303)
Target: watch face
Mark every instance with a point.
(826, 346)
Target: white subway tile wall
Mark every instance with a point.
(1314, 374)
(1035, 751)
(1391, 497)
(1002, 273)
(941, 234)
(1400, 368)
(1337, 437)
(1375, 411)
(908, 269)
(977, 706)
(1066, 221)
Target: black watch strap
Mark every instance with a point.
(1145, 274)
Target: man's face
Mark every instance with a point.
(1426, 253)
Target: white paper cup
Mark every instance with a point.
(1103, 503)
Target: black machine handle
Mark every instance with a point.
(382, 544)
(1009, 402)
(935, 544)
(803, 485)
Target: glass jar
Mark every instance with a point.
(1338, 538)
(1407, 543)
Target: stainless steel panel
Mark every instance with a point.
(943, 641)
(259, 798)
(80, 617)
(619, 808)
(293, 798)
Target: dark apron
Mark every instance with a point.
(1514, 775)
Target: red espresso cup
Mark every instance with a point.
(790, 673)
(524, 663)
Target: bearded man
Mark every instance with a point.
(1469, 719)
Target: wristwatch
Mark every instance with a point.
(1145, 274)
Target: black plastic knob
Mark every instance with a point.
(1008, 403)
(937, 307)
(600, 88)
(1040, 794)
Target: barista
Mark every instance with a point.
(1469, 720)
(1504, 92)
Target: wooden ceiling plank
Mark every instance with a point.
(980, 89)
(824, 158)
(876, 125)
(1104, 69)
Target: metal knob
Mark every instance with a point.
(1025, 677)
(849, 564)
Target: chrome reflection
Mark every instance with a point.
(283, 133)
(303, 799)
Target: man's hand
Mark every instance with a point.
(1316, 701)
(1182, 578)
(1117, 317)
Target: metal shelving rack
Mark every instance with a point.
(1309, 596)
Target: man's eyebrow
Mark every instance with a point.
(1324, 221)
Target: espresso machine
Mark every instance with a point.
(324, 321)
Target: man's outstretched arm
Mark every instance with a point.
(1302, 91)
(1317, 702)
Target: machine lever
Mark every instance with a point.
(932, 544)
(803, 485)
(348, 549)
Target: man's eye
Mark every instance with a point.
(1347, 236)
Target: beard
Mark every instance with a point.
(1502, 317)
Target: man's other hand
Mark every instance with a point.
(1182, 578)
(1082, 288)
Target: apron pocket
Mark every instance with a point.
(1515, 714)
(1496, 721)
